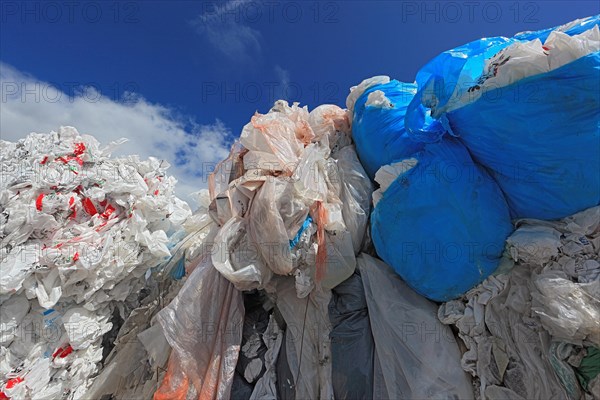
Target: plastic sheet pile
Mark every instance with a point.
(528, 329)
(80, 233)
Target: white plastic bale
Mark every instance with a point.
(79, 232)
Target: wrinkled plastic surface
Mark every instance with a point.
(272, 143)
(307, 345)
(378, 127)
(522, 327)
(418, 356)
(236, 259)
(443, 223)
(569, 310)
(355, 195)
(81, 234)
(203, 325)
(545, 160)
(275, 206)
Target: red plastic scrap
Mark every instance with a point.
(108, 211)
(68, 350)
(57, 352)
(79, 149)
(12, 382)
(38, 202)
(75, 257)
(3, 396)
(88, 206)
(44, 161)
(62, 353)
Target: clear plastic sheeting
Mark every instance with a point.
(203, 325)
(416, 357)
(524, 327)
(355, 195)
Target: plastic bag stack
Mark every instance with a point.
(289, 210)
(80, 233)
(529, 329)
(498, 128)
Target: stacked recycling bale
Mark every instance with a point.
(79, 235)
(496, 129)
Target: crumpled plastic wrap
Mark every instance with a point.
(79, 234)
(289, 209)
(523, 326)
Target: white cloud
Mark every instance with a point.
(283, 76)
(30, 105)
(224, 30)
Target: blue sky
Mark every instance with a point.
(203, 68)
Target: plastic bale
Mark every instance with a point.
(546, 160)
(539, 135)
(378, 125)
(443, 223)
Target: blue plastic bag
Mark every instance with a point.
(379, 132)
(539, 137)
(442, 224)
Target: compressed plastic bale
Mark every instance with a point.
(417, 357)
(547, 159)
(81, 232)
(442, 224)
(533, 123)
(378, 125)
(203, 325)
